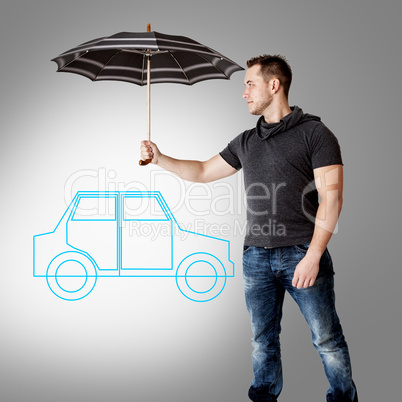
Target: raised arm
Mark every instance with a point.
(196, 171)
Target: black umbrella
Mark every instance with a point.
(146, 58)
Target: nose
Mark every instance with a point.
(245, 94)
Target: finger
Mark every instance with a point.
(294, 281)
(302, 282)
(145, 150)
(298, 283)
(146, 156)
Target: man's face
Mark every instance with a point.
(257, 92)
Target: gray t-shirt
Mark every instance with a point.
(278, 162)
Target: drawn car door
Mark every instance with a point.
(146, 234)
(92, 227)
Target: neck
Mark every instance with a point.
(276, 111)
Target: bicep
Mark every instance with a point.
(216, 168)
(329, 179)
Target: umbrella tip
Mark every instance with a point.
(148, 27)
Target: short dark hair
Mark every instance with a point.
(275, 65)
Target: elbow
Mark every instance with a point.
(340, 204)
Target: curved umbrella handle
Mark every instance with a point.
(144, 163)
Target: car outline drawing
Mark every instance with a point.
(110, 234)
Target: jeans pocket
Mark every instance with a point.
(245, 248)
(303, 247)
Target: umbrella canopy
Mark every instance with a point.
(148, 57)
(123, 57)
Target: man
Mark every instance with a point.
(288, 159)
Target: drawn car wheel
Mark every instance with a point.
(71, 275)
(201, 277)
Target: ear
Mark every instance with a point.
(274, 85)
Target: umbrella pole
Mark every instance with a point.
(143, 163)
(149, 96)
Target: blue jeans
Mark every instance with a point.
(268, 273)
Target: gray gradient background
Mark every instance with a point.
(140, 339)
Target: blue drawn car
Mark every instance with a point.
(130, 234)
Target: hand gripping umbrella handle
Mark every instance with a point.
(142, 162)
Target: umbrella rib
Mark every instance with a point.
(174, 58)
(72, 61)
(100, 71)
(216, 68)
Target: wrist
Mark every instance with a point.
(314, 253)
(157, 158)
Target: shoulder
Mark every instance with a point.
(245, 134)
(317, 132)
(324, 146)
(244, 137)
(234, 152)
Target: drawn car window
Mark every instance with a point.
(143, 208)
(95, 209)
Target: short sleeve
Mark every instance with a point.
(325, 149)
(231, 154)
